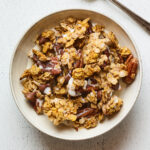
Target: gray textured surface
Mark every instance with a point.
(16, 133)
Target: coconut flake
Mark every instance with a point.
(37, 47)
(58, 56)
(94, 24)
(85, 84)
(83, 100)
(64, 35)
(48, 68)
(71, 30)
(55, 100)
(102, 45)
(97, 50)
(30, 54)
(71, 88)
(47, 90)
(40, 102)
(115, 99)
(89, 81)
(122, 73)
(40, 66)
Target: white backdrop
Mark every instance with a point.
(16, 133)
(140, 7)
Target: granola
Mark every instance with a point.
(75, 73)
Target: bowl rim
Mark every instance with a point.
(65, 10)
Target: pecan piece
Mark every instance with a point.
(128, 59)
(42, 87)
(54, 60)
(85, 112)
(79, 43)
(99, 95)
(55, 71)
(81, 62)
(38, 62)
(132, 64)
(58, 48)
(107, 52)
(31, 96)
(49, 66)
(120, 58)
(42, 40)
(89, 30)
(77, 64)
(115, 87)
(88, 89)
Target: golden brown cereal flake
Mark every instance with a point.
(125, 52)
(47, 46)
(89, 70)
(92, 97)
(48, 34)
(78, 73)
(114, 105)
(40, 55)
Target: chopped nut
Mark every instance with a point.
(31, 96)
(132, 64)
(42, 40)
(85, 112)
(99, 95)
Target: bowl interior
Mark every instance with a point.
(19, 64)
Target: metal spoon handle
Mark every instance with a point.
(142, 21)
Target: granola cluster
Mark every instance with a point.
(77, 67)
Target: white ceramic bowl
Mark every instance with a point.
(19, 63)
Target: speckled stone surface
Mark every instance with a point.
(16, 133)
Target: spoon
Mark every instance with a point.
(142, 21)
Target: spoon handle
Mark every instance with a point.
(142, 21)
